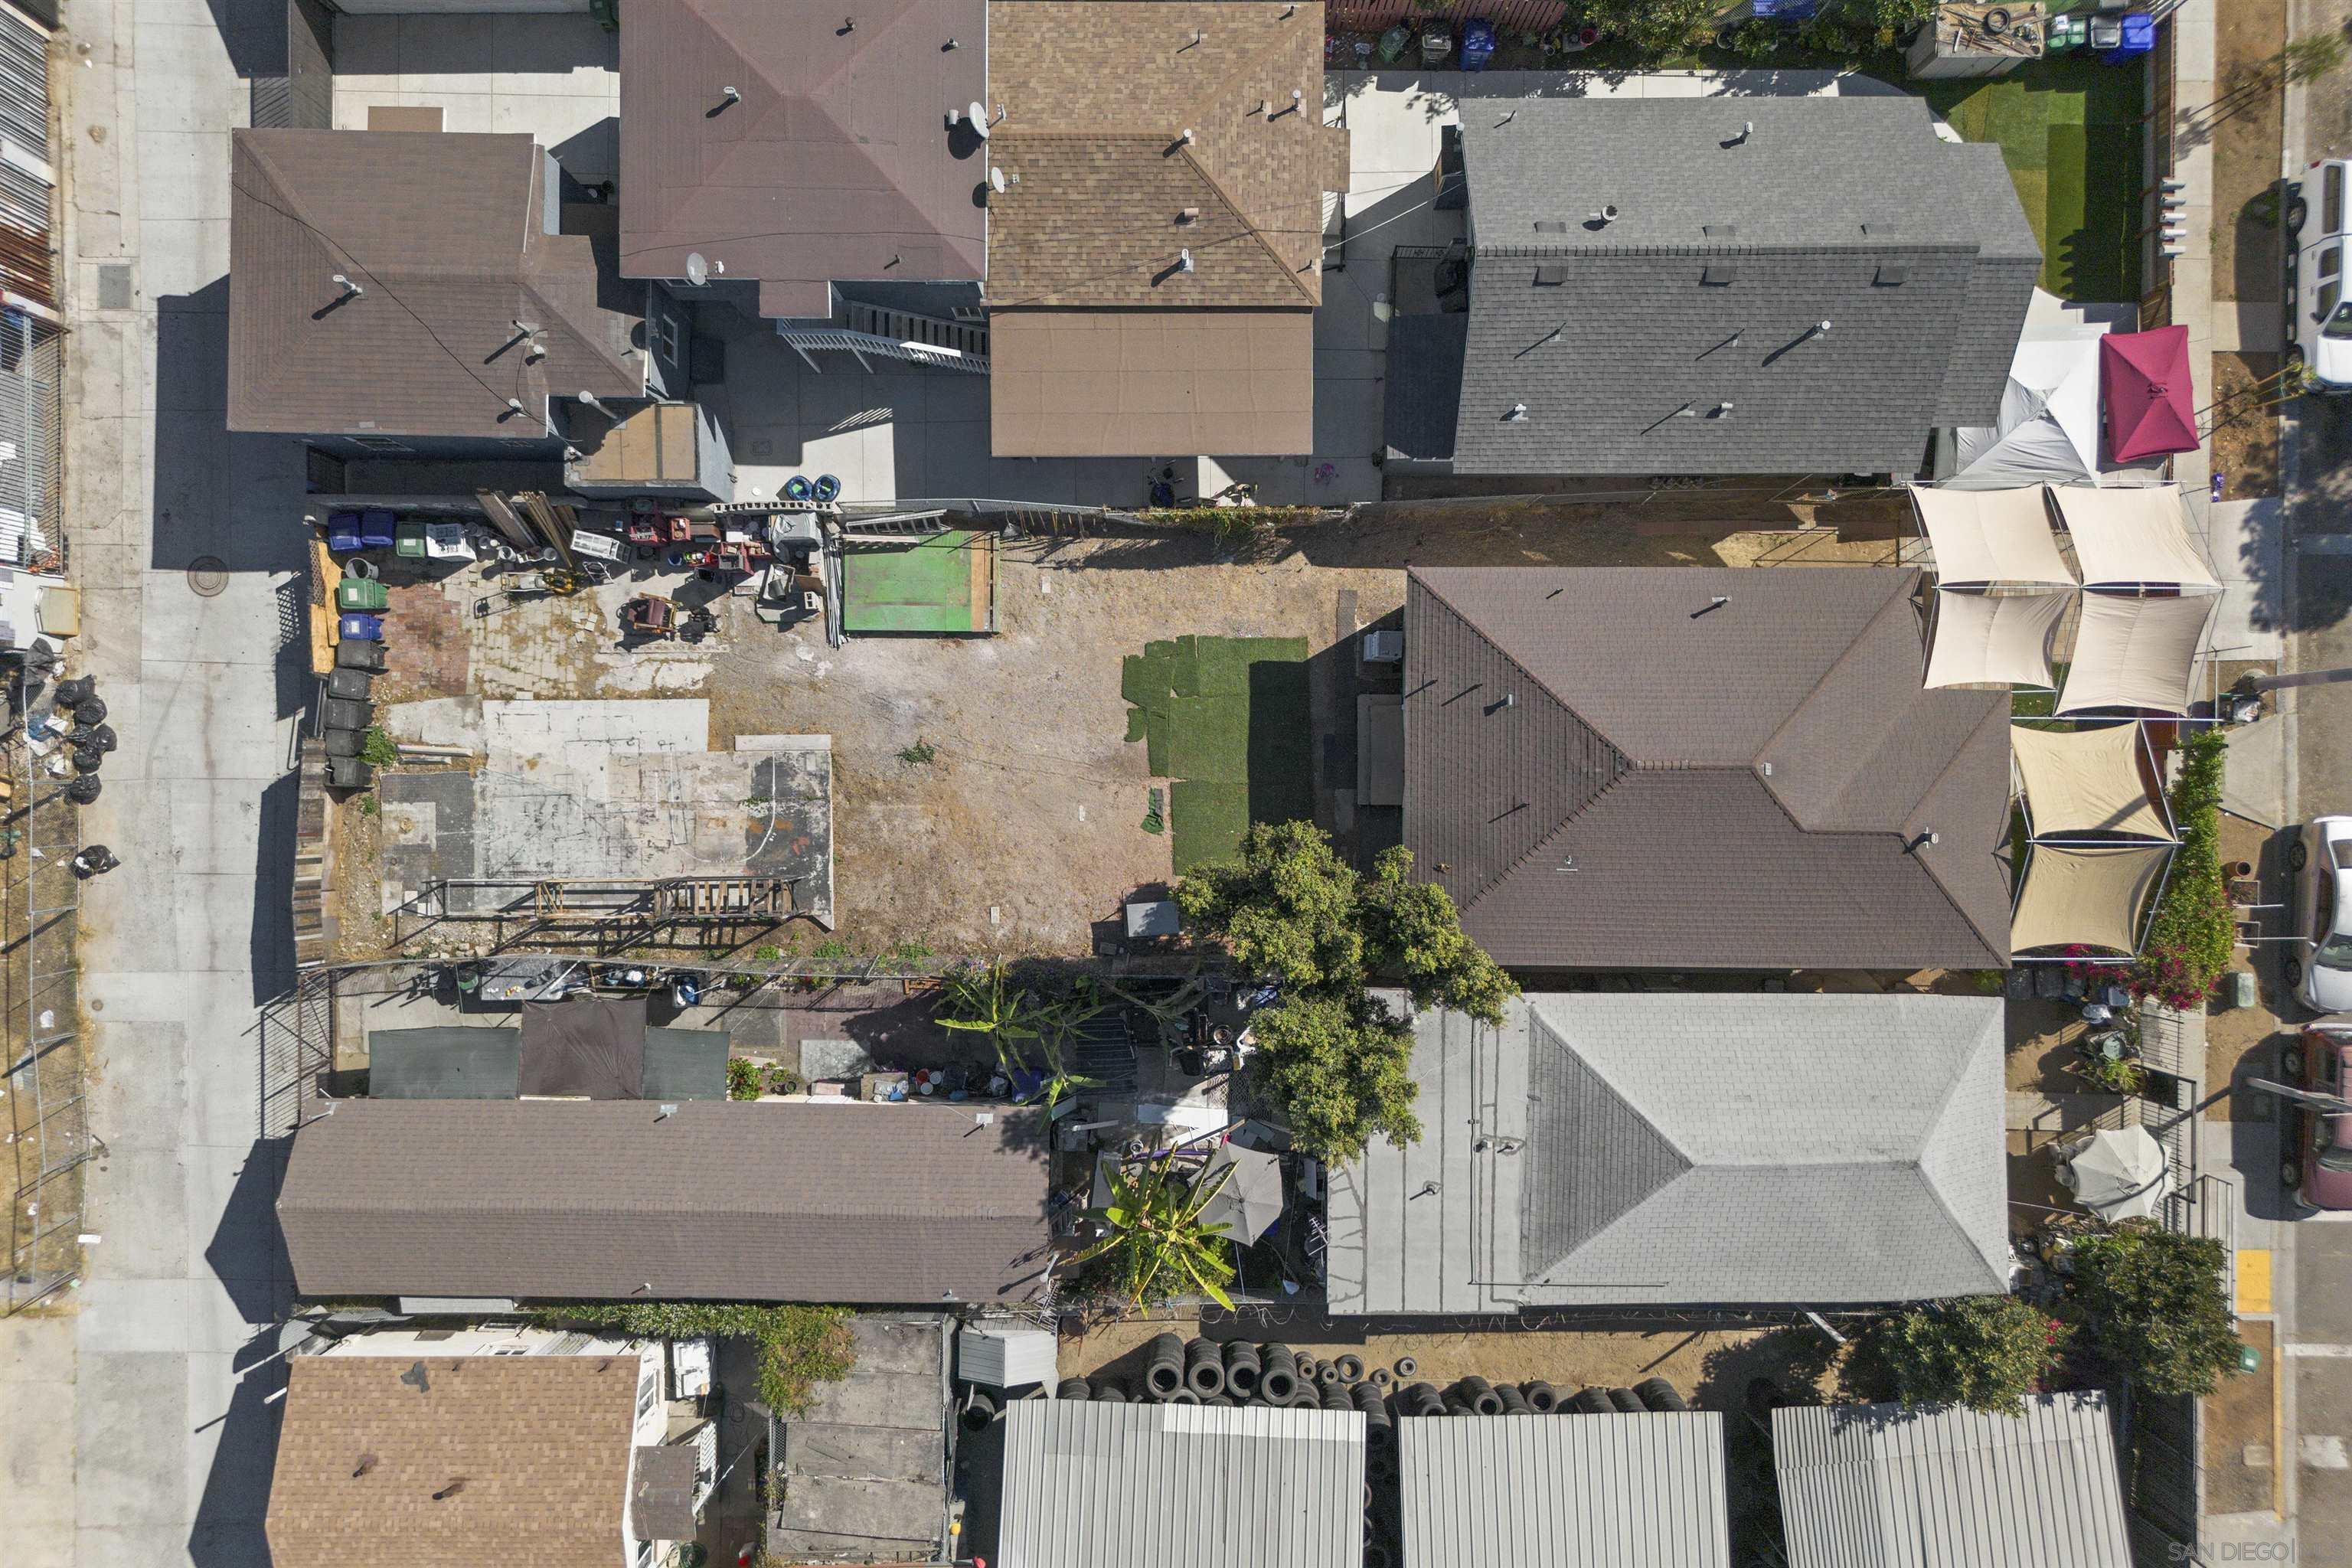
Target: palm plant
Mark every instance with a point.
(1157, 1244)
(979, 1002)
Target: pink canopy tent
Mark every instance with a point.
(2143, 382)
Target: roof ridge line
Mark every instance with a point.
(1996, 714)
(1250, 225)
(1562, 825)
(1845, 652)
(557, 316)
(1414, 575)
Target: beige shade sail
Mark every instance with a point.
(2085, 896)
(2131, 652)
(2133, 535)
(1980, 638)
(2086, 783)
(1990, 536)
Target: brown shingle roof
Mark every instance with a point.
(837, 163)
(443, 234)
(541, 1444)
(719, 1200)
(1097, 94)
(1142, 382)
(1671, 785)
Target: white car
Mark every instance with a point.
(2319, 315)
(2319, 966)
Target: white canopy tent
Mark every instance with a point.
(2135, 537)
(1982, 638)
(2136, 652)
(2086, 783)
(2076, 896)
(2116, 1175)
(1990, 536)
(2049, 429)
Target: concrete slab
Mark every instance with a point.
(132, 1439)
(143, 1212)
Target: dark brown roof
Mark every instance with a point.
(718, 1201)
(837, 161)
(1142, 382)
(661, 1492)
(1671, 785)
(1098, 94)
(541, 1443)
(443, 236)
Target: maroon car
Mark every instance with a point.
(2317, 1165)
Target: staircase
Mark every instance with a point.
(1106, 1050)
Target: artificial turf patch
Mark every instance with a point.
(1226, 718)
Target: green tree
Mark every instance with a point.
(1412, 930)
(1339, 1068)
(1654, 26)
(2191, 936)
(1158, 1248)
(1287, 908)
(1984, 1351)
(2155, 1304)
(2311, 56)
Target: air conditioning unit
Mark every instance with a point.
(1384, 647)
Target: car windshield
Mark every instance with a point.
(2335, 953)
(2339, 325)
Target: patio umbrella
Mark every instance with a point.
(2117, 1175)
(2152, 408)
(1251, 1200)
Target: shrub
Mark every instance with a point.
(799, 1346)
(1986, 1352)
(377, 749)
(2156, 1305)
(743, 1079)
(2191, 937)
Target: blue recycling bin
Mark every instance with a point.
(1477, 44)
(344, 533)
(357, 628)
(2139, 38)
(378, 528)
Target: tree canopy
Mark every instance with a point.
(2155, 1304)
(1986, 1352)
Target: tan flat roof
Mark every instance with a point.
(1149, 384)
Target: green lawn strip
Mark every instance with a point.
(2111, 185)
(1206, 820)
(1227, 720)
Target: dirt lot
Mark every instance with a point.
(2244, 125)
(2246, 425)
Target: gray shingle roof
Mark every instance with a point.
(1651, 1148)
(718, 1201)
(1175, 1486)
(1877, 1486)
(1564, 1492)
(1736, 788)
(1705, 293)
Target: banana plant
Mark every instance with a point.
(979, 1002)
(1157, 1246)
(1170, 1014)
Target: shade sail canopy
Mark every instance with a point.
(2077, 897)
(2131, 652)
(2048, 430)
(2135, 536)
(1990, 536)
(2117, 1175)
(2151, 408)
(2086, 783)
(1979, 638)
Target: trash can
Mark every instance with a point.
(1477, 44)
(2138, 36)
(377, 528)
(344, 533)
(362, 594)
(409, 542)
(1436, 43)
(356, 628)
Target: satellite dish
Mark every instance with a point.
(698, 270)
(979, 113)
(996, 181)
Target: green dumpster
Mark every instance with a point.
(362, 594)
(408, 543)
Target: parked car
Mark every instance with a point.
(2319, 316)
(2316, 1166)
(2318, 968)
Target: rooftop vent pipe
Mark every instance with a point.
(350, 289)
(1606, 215)
(1517, 415)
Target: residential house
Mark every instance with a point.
(446, 1447)
(1165, 1486)
(769, 152)
(1620, 1491)
(431, 295)
(1154, 255)
(1618, 1149)
(1710, 285)
(858, 1202)
(1694, 768)
(1880, 1486)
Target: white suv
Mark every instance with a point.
(2319, 316)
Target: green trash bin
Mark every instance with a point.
(362, 594)
(408, 543)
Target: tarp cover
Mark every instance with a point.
(2117, 1174)
(2151, 408)
(1990, 536)
(2085, 896)
(584, 1046)
(2086, 783)
(2137, 535)
(2131, 652)
(2048, 430)
(686, 1064)
(1979, 638)
(443, 1063)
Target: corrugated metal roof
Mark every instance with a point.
(1875, 1486)
(1564, 1492)
(1179, 1486)
(1616, 1147)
